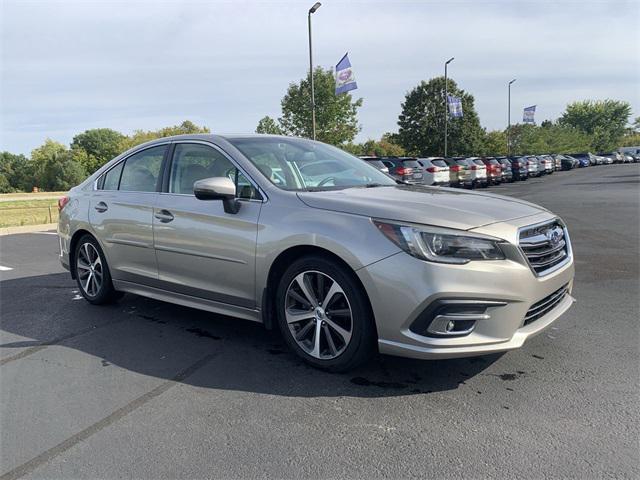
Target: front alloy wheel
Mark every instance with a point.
(324, 314)
(318, 315)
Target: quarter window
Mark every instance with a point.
(112, 178)
(141, 170)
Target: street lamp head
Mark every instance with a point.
(449, 61)
(315, 7)
(512, 81)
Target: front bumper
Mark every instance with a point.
(397, 303)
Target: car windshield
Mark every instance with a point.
(439, 163)
(303, 165)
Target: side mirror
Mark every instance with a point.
(218, 188)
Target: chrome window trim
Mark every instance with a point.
(233, 162)
(124, 159)
(558, 266)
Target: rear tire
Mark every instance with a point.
(324, 314)
(92, 272)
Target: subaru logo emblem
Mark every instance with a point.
(553, 236)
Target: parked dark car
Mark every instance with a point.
(566, 163)
(583, 158)
(376, 162)
(519, 168)
(507, 172)
(405, 169)
(459, 172)
(494, 170)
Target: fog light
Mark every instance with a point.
(451, 325)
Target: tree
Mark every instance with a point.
(494, 143)
(16, 173)
(604, 120)
(95, 147)
(142, 136)
(268, 125)
(336, 115)
(55, 168)
(422, 121)
(529, 139)
(380, 148)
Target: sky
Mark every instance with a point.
(68, 66)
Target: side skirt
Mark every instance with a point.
(188, 301)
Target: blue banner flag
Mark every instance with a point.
(345, 79)
(529, 112)
(455, 106)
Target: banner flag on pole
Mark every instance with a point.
(455, 106)
(529, 112)
(345, 79)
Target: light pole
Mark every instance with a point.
(446, 105)
(313, 9)
(509, 120)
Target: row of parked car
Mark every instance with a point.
(474, 172)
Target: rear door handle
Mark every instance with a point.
(165, 216)
(101, 207)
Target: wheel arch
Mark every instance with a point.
(75, 238)
(280, 264)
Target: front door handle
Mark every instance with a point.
(165, 216)
(101, 207)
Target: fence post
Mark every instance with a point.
(50, 218)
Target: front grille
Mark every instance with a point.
(544, 306)
(545, 246)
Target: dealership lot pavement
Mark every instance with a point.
(151, 390)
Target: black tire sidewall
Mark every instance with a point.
(363, 336)
(107, 293)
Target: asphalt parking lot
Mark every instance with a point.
(150, 390)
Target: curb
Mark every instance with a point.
(28, 229)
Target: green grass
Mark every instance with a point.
(28, 212)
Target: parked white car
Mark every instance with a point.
(435, 171)
(478, 172)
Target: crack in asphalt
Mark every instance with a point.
(55, 341)
(82, 435)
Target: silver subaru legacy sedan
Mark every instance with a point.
(342, 258)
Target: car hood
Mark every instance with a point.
(444, 207)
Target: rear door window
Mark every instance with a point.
(142, 170)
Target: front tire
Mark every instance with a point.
(324, 315)
(92, 272)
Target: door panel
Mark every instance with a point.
(121, 213)
(203, 251)
(125, 231)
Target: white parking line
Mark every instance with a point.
(5, 269)
(45, 233)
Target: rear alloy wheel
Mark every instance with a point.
(324, 315)
(92, 272)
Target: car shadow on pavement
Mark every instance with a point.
(159, 339)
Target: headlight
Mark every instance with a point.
(441, 245)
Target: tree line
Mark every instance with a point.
(589, 125)
(56, 167)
